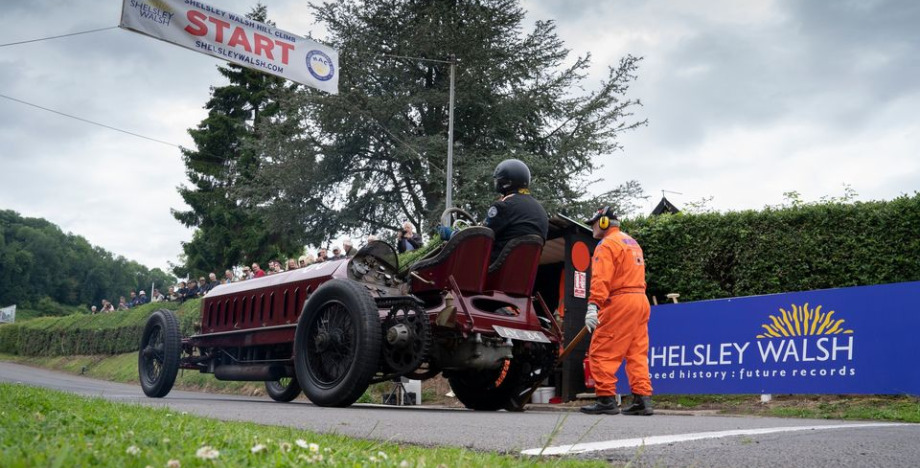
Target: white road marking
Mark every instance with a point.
(676, 438)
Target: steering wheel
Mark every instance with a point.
(454, 214)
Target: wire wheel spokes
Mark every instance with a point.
(332, 339)
(153, 354)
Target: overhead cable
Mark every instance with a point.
(89, 121)
(56, 37)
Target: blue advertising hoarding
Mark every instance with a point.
(849, 340)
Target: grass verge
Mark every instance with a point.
(41, 427)
(902, 408)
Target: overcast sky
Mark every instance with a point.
(745, 100)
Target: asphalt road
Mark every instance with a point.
(660, 440)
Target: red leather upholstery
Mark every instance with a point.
(515, 269)
(465, 257)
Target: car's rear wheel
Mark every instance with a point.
(485, 390)
(337, 343)
(507, 387)
(158, 358)
(284, 389)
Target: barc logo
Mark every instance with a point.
(803, 322)
(320, 65)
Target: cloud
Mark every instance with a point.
(747, 100)
(114, 189)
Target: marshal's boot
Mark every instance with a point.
(603, 405)
(641, 405)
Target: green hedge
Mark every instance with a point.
(803, 248)
(78, 334)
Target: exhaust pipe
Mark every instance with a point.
(255, 373)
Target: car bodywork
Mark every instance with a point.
(333, 328)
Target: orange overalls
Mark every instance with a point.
(618, 289)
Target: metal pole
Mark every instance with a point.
(449, 201)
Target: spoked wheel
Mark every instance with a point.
(337, 343)
(284, 389)
(486, 390)
(158, 359)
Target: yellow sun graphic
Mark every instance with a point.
(162, 6)
(803, 322)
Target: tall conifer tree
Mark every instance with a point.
(229, 231)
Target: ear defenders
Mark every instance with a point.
(604, 222)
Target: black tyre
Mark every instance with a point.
(158, 359)
(337, 343)
(486, 390)
(284, 390)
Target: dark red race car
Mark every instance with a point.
(334, 328)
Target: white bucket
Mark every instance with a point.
(543, 394)
(415, 387)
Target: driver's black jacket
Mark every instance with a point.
(515, 215)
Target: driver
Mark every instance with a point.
(516, 213)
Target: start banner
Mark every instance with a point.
(235, 38)
(848, 340)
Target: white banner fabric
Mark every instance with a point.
(235, 38)
(8, 314)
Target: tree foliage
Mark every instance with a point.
(375, 154)
(229, 232)
(38, 261)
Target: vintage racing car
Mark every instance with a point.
(334, 328)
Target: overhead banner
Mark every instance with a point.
(848, 340)
(236, 39)
(8, 314)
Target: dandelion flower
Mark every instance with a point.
(133, 450)
(207, 453)
(315, 448)
(257, 448)
(285, 446)
(173, 464)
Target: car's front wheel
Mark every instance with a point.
(337, 343)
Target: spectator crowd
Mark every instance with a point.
(192, 288)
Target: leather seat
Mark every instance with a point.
(465, 257)
(515, 269)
